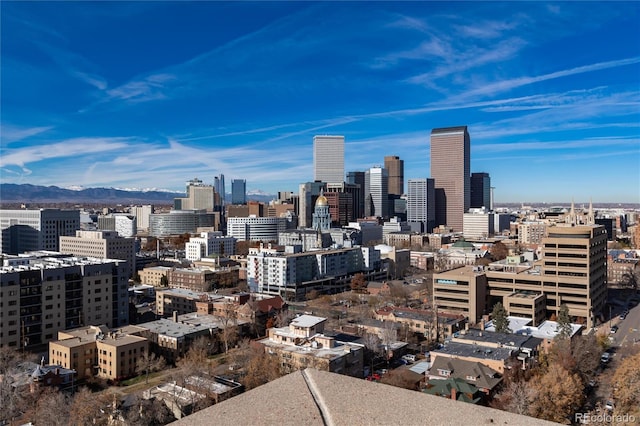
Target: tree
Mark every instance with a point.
(148, 363)
(586, 351)
(89, 408)
(51, 408)
(500, 320)
(262, 368)
(358, 282)
(626, 386)
(564, 323)
(229, 316)
(164, 281)
(372, 347)
(516, 398)
(558, 394)
(499, 251)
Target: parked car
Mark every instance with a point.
(623, 315)
(609, 405)
(605, 358)
(409, 358)
(614, 329)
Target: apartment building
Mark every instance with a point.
(101, 244)
(152, 275)
(254, 228)
(210, 244)
(303, 344)
(531, 232)
(97, 351)
(292, 275)
(42, 293)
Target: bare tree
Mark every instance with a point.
(148, 363)
(262, 368)
(51, 408)
(516, 398)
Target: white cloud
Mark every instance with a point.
(9, 133)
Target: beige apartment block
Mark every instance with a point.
(153, 275)
(96, 351)
(102, 245)
(526, 304)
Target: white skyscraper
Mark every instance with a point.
(376, 193)
(421, 204)
(328, 159)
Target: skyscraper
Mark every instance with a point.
(357, 178)
(200, 196)
(395, 169)
(218, 183)
(480, 190)
(328, 159)
(376, 192)
(421, 208)
(238, 191)
(450, 164)
(29, 230)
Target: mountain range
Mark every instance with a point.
(27, 193)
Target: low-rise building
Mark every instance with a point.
(302, 344)
(474, 373)
(97, 351)
(152, 275)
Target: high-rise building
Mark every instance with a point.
(376, 192)
(29, 230)
(450, 164)
(238, 191)
(357, 178)
(309, 192)
(218, 183)
(142, 214)
(199, 197)
(124, 224)
(46, 292)
(328, 159)
(480, 190)
(395, 169)
(421, 209)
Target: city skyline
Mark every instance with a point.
(102, 95)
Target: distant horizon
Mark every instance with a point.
(577, 204)
(104, 95)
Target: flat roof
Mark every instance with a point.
(475, 351)
(307, 321)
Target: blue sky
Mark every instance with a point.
(152, 94)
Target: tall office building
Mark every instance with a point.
(357, 178)
(238, 191)
(480, 191)
(28, 230)
(199, 197)
(218, 183)
(395, 169)
(142, 214)
(421, 209)
(376, 192)
(450, 164)
(328, 159)
(309, 193)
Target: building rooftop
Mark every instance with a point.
(307, 321)
(32, 261)
(186, 324)
(475, 351)
(480, 375)
(502, 339)
(311, 397)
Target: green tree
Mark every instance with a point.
(500, 320)
(564, 323)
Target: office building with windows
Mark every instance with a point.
(376, 192)
(328, 159)
(450, 164)
(29, 230)
(421, 208)
(238, 191)
(480, 191)
(101, 244)
(395, 169)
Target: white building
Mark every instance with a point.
(254, 228)
(393, 225)
(376, 192)
(478, 224)
(142, 214)
(328, 159)
(210, 243)
(421, 204)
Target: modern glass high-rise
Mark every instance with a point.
(421, 203)
(218, 183)
(376, 195)
(328, 159)
(395, 169)
(450, 164)
(480, 190)
(238, 191)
